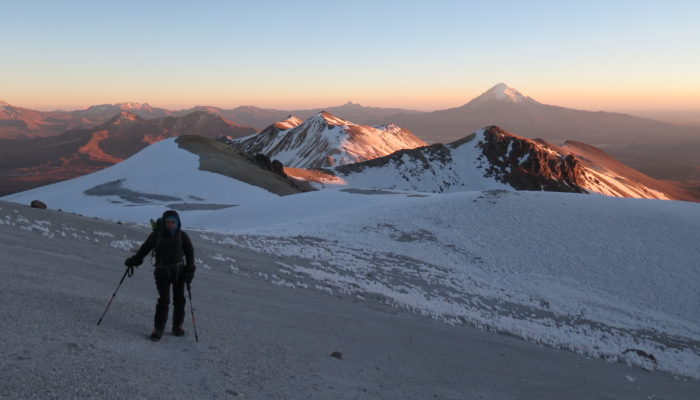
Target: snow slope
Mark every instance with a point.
(325, 140)
(159, 177)
(435, 169)
(600, 276)
(264, 333)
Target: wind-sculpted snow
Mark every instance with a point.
(578, 272)
(272, 305)
(66, 231)
(456, 299)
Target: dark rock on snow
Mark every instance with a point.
(38, 204)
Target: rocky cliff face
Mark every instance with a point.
(421, 158)
(527, 164)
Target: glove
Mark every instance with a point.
(132, 261)
(189, 273)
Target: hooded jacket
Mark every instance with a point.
(170, 248)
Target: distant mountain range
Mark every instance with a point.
(103, 112)
(331, 151)
(327, 149)
(16, 122)
(660, 149)
(21, 122)
(27, 163)
(262, 117)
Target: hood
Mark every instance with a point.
(172, 213)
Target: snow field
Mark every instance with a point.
(605, 277)
(573, 271)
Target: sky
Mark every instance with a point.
(426, 55)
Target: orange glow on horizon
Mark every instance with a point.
(423, 99)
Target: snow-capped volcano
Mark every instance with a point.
(492, 158)
(325, 140)
(654, 147)
(502, 93)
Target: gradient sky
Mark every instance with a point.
(612, 55)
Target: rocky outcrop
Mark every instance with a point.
(37, 204)
(526, 164)
(255, 169)
(424, 157)
(264, 162)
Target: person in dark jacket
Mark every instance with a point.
(171, 245)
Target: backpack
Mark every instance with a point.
(156, 226)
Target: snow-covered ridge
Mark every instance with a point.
(132, 105)
(288, 123)
(126, 106)
(325, 140)
(492, 158)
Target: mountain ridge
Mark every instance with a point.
(494, 159)
(656, 148)
(324, 140)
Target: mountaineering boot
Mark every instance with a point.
(156, 334)
(178, 318)
(178, 331)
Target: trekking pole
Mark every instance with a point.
(115, 292)
(194, 325)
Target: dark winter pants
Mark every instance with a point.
(167, 276)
